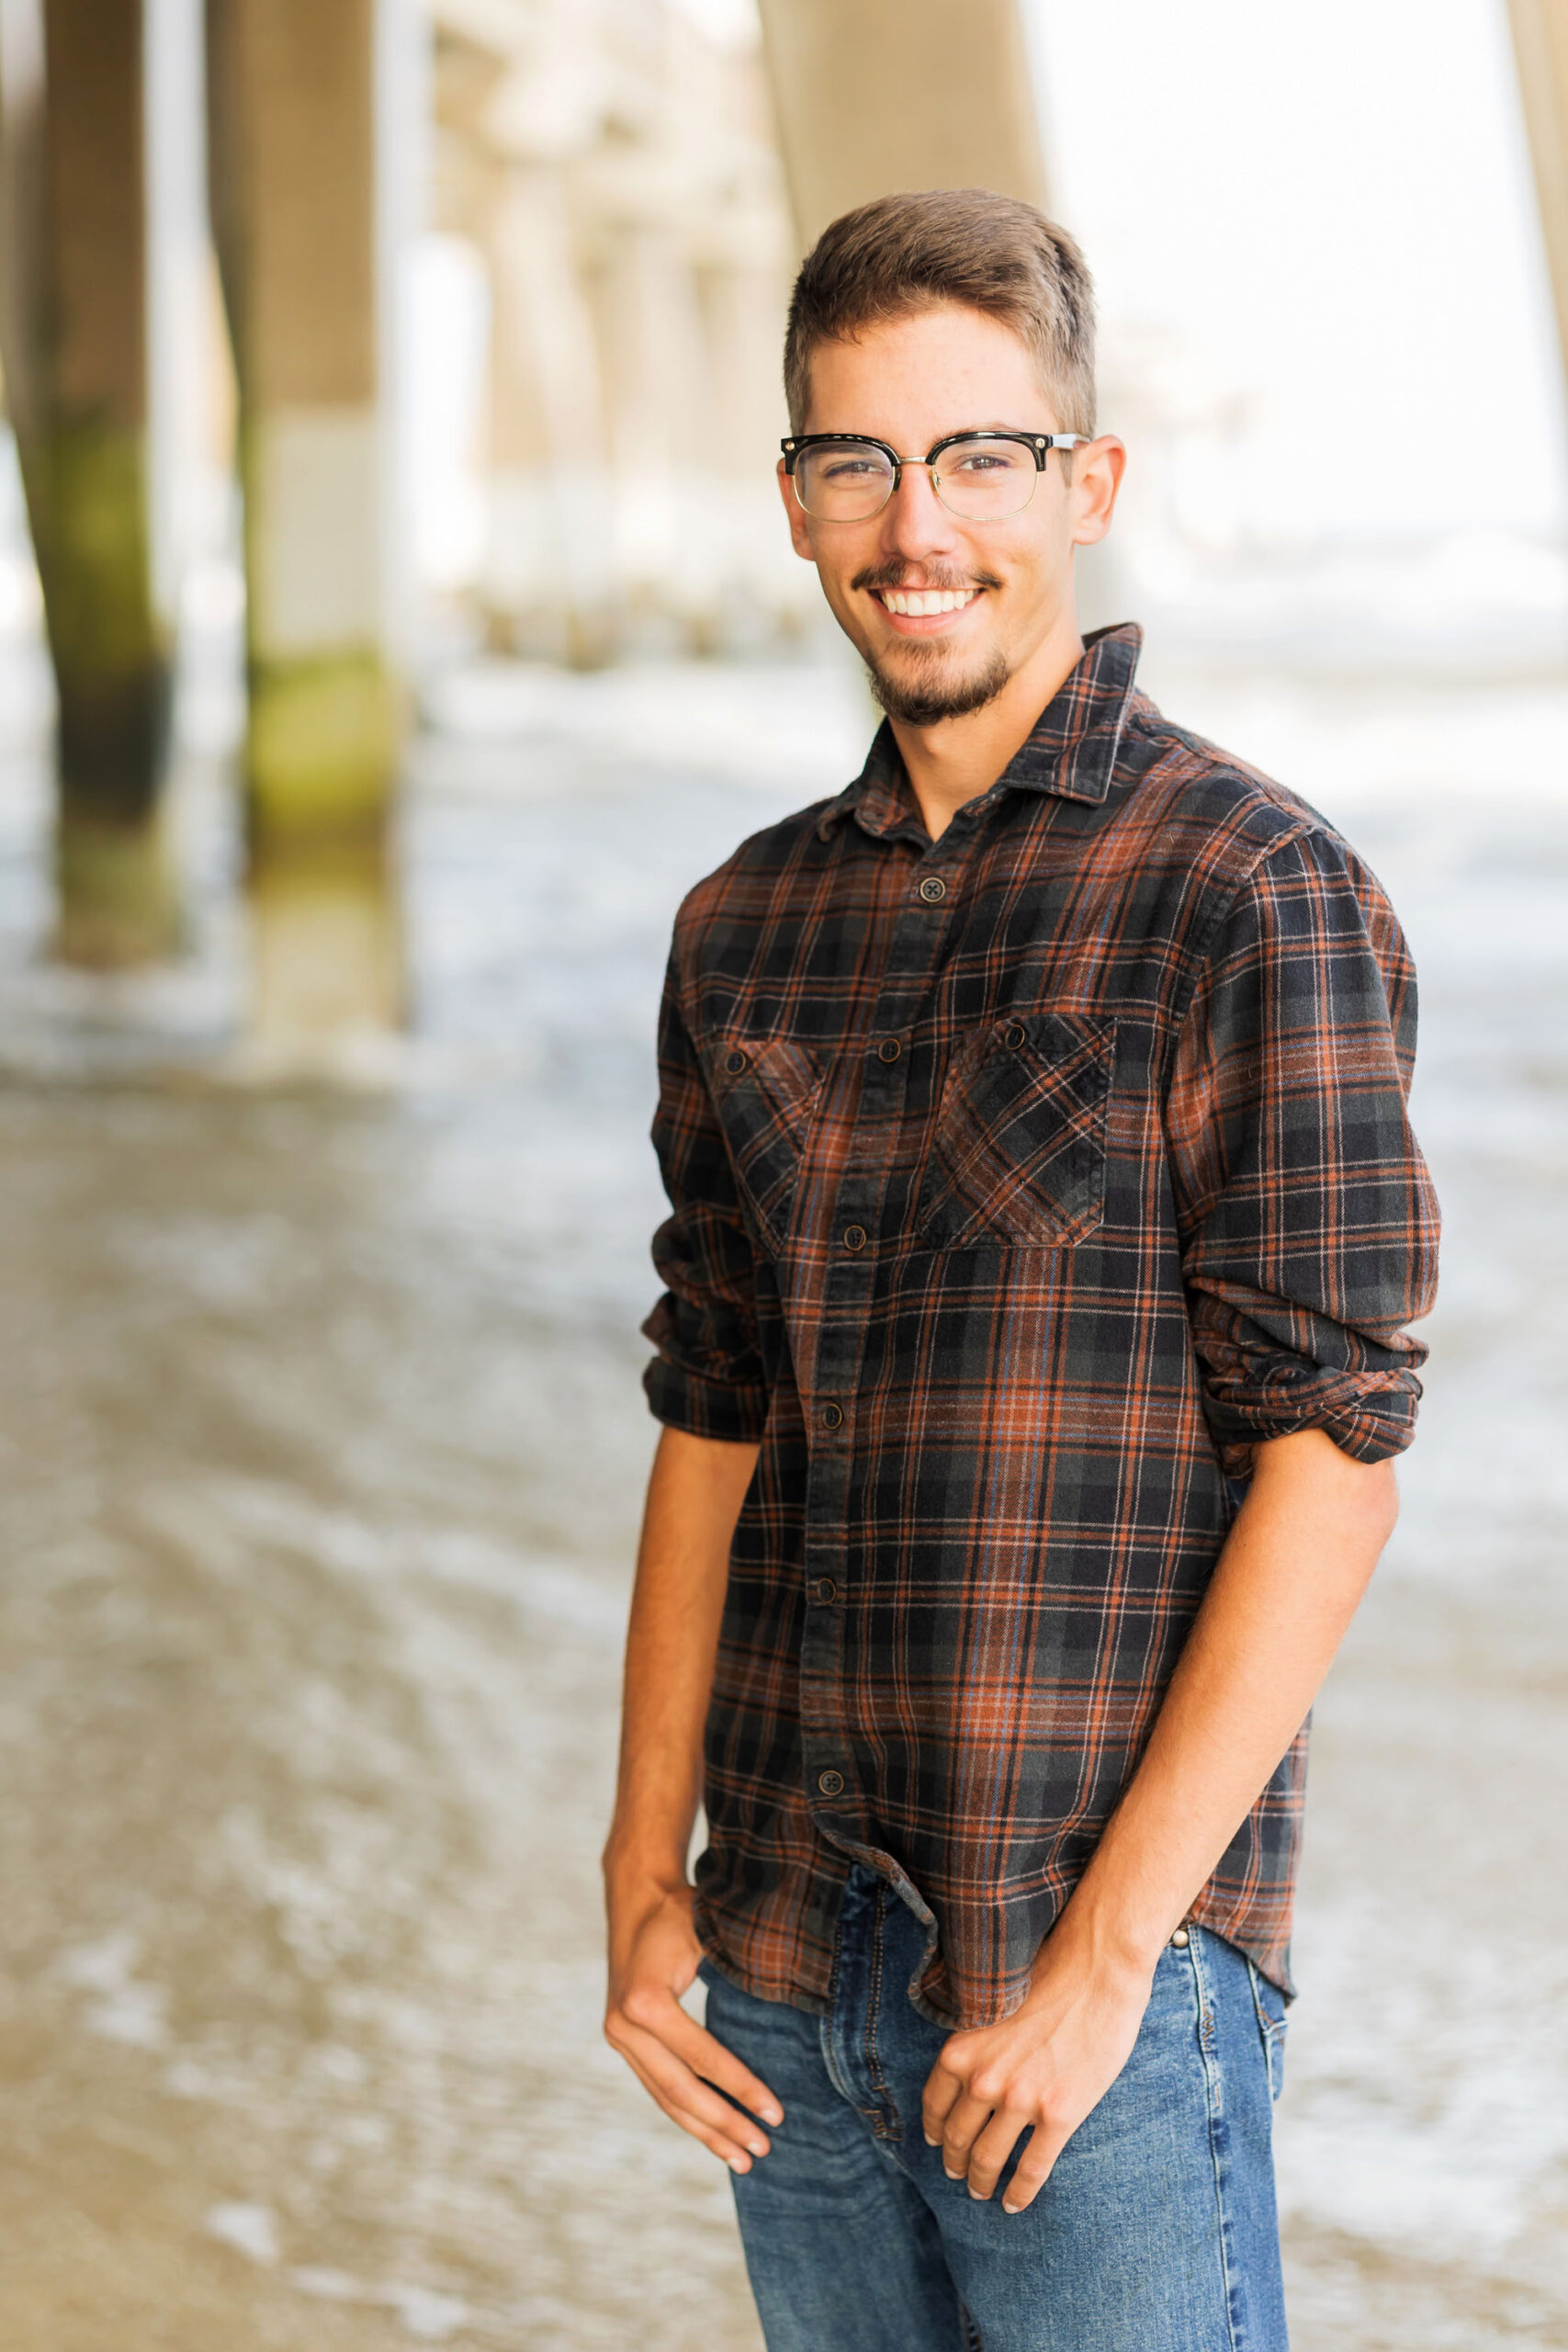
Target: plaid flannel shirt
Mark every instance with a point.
(1020, 1181)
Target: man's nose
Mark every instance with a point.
(915, 521)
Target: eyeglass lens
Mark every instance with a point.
(846, 482)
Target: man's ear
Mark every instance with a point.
(1096, 477)
(799, 537)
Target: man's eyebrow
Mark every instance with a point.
(980, 425)
(996, 424)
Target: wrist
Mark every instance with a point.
(651, 1866)
(1110, 1939)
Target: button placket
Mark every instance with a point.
(914, 952)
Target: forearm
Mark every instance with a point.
(1285, 1588)
(693, 1498)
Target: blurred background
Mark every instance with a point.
(395, 618)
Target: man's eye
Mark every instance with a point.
(851, 468)
(985, 461)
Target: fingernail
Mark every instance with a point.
(758, 2147)
(770, 2114)
(931, 2142)
(953, 2175)
(738, 2164)
(1010, 2209)
(979, 2196)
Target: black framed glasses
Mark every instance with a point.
(982, 475)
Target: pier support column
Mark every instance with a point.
(550, 522)
(75, 348)
(1541, 46)
(293, 154)
(872, 95)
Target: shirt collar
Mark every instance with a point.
(1070, 751)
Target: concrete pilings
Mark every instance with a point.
(73, 334)
(1541, 46)
(877, 95)
(294, 159)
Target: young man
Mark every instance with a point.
(1046, 1221)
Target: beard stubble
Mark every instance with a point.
(927, 696)
(926, 701)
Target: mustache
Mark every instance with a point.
(891, 575)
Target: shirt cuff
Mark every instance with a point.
(717, 1408)
(1370, 1416)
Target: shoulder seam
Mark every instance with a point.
(1304, 826)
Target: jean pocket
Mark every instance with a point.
(766, 1092)
(1269, 2004)
(1019, 1156)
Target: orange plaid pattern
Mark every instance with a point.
(1019, 1184)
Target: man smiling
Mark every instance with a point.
(1046, 1221)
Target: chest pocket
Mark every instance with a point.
(766, 1092)
(1018, 1158)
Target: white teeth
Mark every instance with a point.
(915, 602)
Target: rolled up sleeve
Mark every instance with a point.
(707, 1374)
(1307, 1220)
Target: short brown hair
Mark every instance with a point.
(914, 252)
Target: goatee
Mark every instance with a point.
(918, 702)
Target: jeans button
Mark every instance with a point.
(1181, 1939)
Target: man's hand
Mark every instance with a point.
(693, 1498)
(654, 1953)
(1042, 2070)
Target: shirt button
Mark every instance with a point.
(826, 1589)
(735, 1063)
(889, 1050)
(832, 1417)
(854, 1237)
(1181, 1939)
(831, 1783)
(933, 889)
(1015, 1036)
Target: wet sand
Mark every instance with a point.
(323, 1449)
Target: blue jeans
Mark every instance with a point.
(1155, 2232)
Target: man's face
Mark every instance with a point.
(908, 382)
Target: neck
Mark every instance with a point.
(958, 759)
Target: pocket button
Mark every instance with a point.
(735, 1063)
(1015, 1036)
